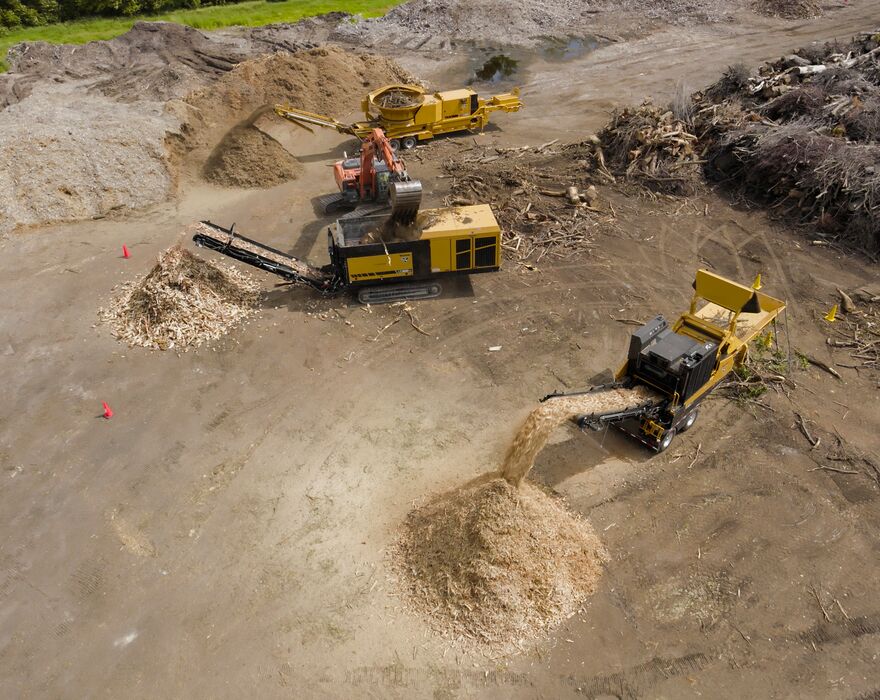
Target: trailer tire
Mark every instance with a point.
(689, 421)
(408, 142)
(666, 440)
(395, 144)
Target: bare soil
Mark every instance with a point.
(227, 532)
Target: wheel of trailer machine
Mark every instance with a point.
(689, 421)
(666, 440)
(408, 142)
(395, 144)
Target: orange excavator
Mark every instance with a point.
(379, 176)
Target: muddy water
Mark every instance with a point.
(500, 65)
(541, 423)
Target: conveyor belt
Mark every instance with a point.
(634, 402)
(254, 253)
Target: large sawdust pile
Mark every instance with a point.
(327, 80)
(541, 423)
(182, 302)
(248, 157)
(493, 565)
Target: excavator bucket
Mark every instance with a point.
(406, 198)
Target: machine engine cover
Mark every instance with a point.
(673, 362)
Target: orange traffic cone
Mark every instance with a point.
(125, 253)
(108, 412)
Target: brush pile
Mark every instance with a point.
(492, 566)
(652, 145)
(803, 135)
(183, 302)
(857, 332)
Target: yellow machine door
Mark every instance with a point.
(486, 253)
(464, 253)
(476, 252)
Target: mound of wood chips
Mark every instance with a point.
(492, 566)
(181, 303)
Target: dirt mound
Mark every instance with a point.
(541, 423)
(440, 23)
(181, 303)
(495, 566)
(248, 157)
(66, 156)
(151, 61)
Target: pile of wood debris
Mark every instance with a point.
(803, 135)
(182, 302)
(652, 145)
(543, 197)
(857, 331)
(492, 566)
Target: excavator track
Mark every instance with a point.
(365, 210)
(329, 203)
(389, 293)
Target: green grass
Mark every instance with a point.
(243, 14)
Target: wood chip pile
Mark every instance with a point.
(492, 566)
(182, 302)
(542, 196)
(803, 135)
(650, 144)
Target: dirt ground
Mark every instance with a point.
(225, 532)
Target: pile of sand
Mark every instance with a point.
(248, 157)
(181, 303)
(541, 423)
(493, 566)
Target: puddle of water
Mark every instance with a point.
(496, 69)
(496, 65)
(568, 49)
